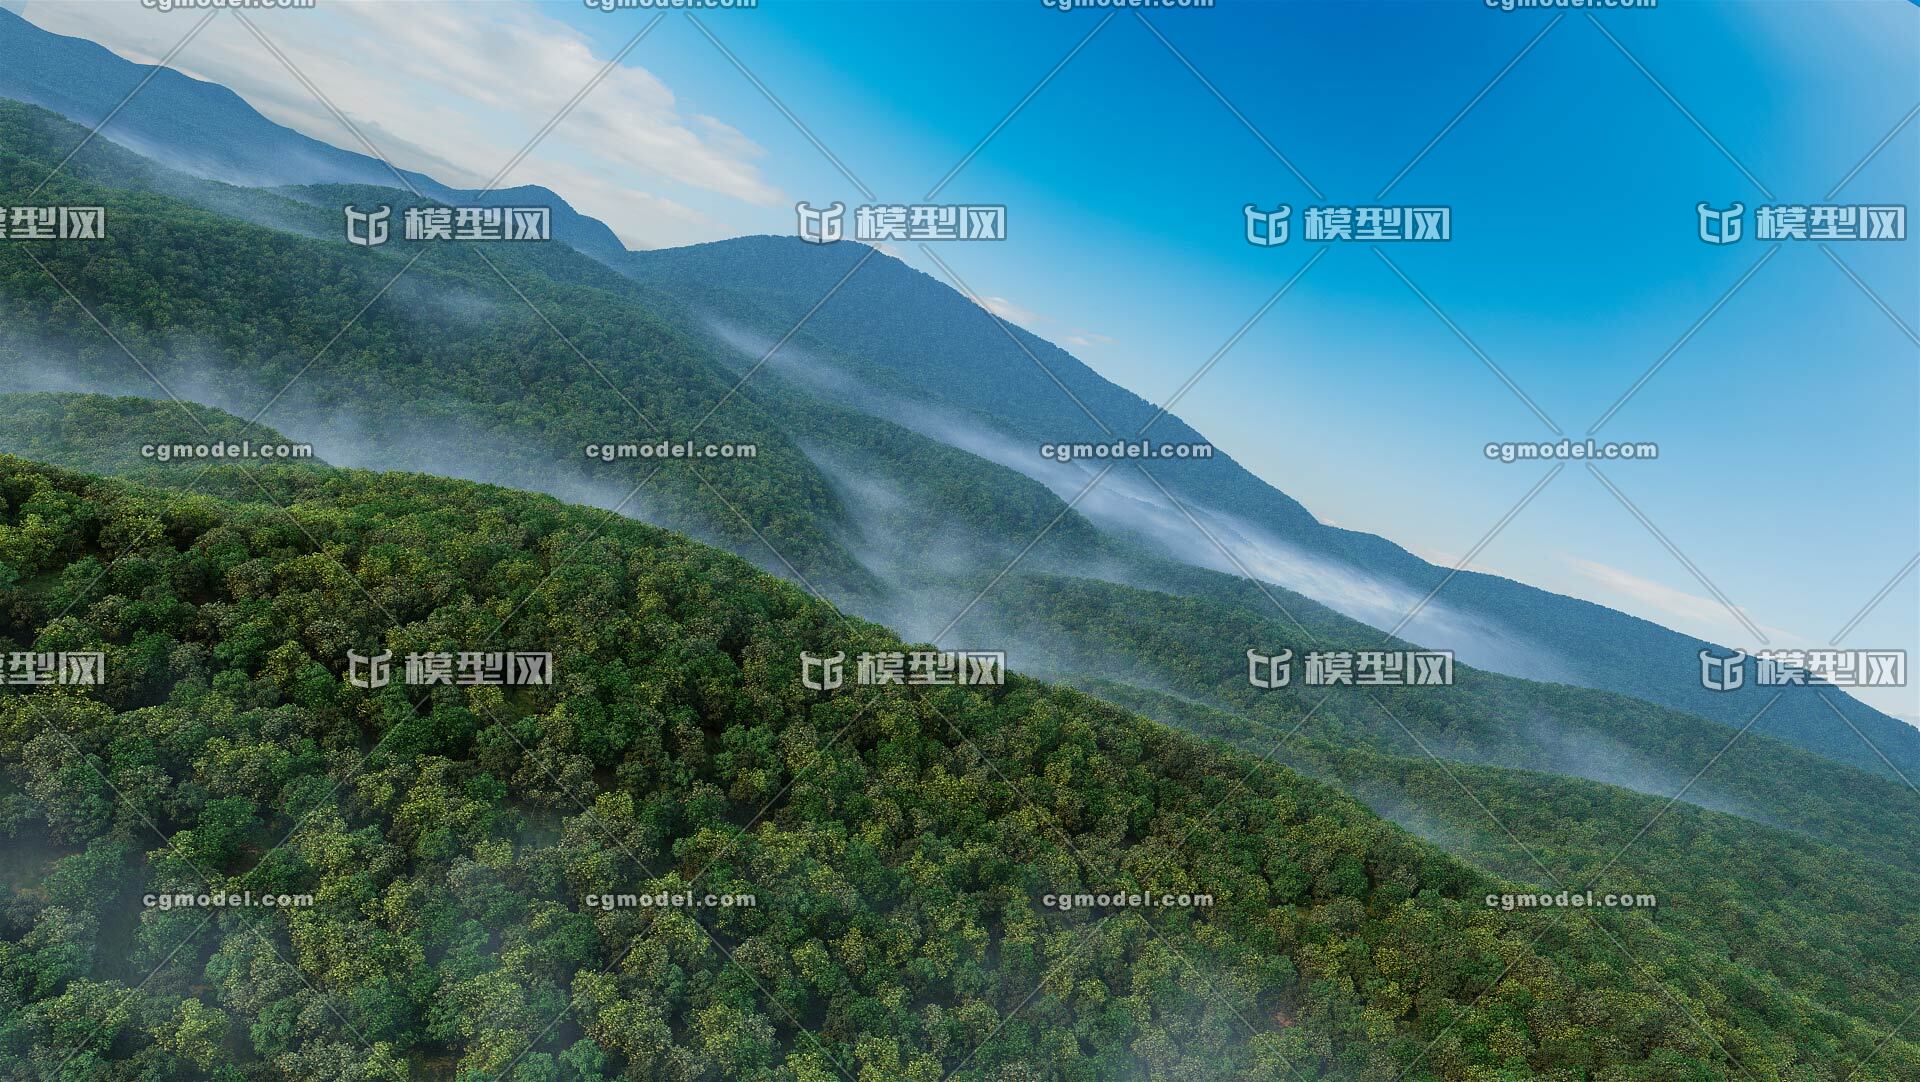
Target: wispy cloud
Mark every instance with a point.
(441, 91)
(1437, 557)
(1035, 321)
(1088, 338)
(1700, 616)
(1009, 311)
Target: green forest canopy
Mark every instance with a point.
(908, 835)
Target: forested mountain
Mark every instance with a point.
(1190, 641)
(449, 839)
(889, 326)
(1833, 932)
(457, 369)
(123, 436)
(1079, 629)
(207, 130)
(897, 331)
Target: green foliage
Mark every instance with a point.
(502, 361)
(103, 434)
(897, 841)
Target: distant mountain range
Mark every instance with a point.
(945, 351)
(208, 130)
(456, 856)
(896, 833)
(891, 334)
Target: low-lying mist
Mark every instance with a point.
(433, 438)
(1128, 503)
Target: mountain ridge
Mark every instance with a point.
(205, 128)
(1603, 647)
(901, 877)
(1621, 652)
(1594, 645)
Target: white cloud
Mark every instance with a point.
(1035, 321)
(1703, 617)
(1009, 311)
(440, 89)
(1084, 339)
(1437, 557)
(1706, 618)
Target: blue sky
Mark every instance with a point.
(1789, 472)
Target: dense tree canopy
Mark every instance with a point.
(898, 841)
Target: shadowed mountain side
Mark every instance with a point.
(900, 879)
(906, 333)
(207, 130)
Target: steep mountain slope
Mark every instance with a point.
(155, 279)
(452, 373)
(1787, 949)
(905, 323)
(123, 436)
(1079, 629)
(1188, 637)
(449, 840)
(1822, 930)
(207, 130)
(466, 364)
(1834, 932)
(891, 326)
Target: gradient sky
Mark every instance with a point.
(1788, 424)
